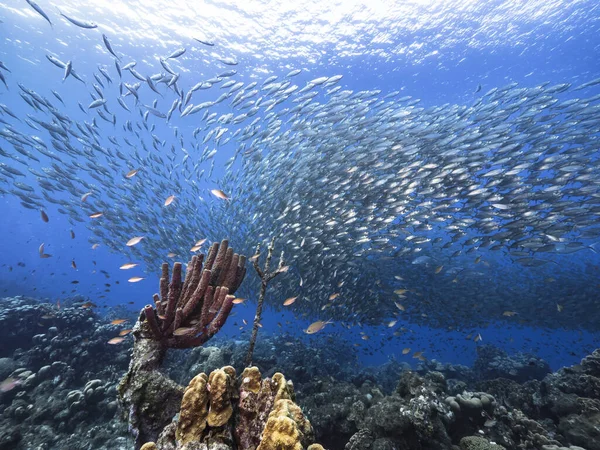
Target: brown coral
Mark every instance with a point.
(256, 401)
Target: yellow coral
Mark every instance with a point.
(315, 447)
(229, 370)
(280, 433)
(192, 417)
(220, 409)
(283, 388)
(207, 403)
(286, 427)
(149, 446)
(251, 379)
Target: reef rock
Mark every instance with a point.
(493, 362)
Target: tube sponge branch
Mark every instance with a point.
(188, 313)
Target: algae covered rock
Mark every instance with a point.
(493, 362)
(478, 443)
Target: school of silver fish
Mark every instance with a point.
(452, 215)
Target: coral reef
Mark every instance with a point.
(61, 378)
(60, 381)
(220, 410)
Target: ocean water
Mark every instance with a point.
(441, 52)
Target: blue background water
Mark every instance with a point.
(436, 51)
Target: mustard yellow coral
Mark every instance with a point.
(220, 409)
(194, 410)
(284, 389)
(251, 379)
(149, 446)
(286, 427)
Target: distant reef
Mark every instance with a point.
(59, 377)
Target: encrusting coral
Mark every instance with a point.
(252, 412)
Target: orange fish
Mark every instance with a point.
(169, 200)
(289, 301)
(118, 321)
(334, 296)
(135, 279)
(316, 326)
(237, 301)
(125, 332)
(219, 194)
(96, 215)
(85, 196)
(128, 266)
(183, 331)
(131, 173)
(116, 340)
(95, 246)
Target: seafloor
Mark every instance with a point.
(59, 380)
